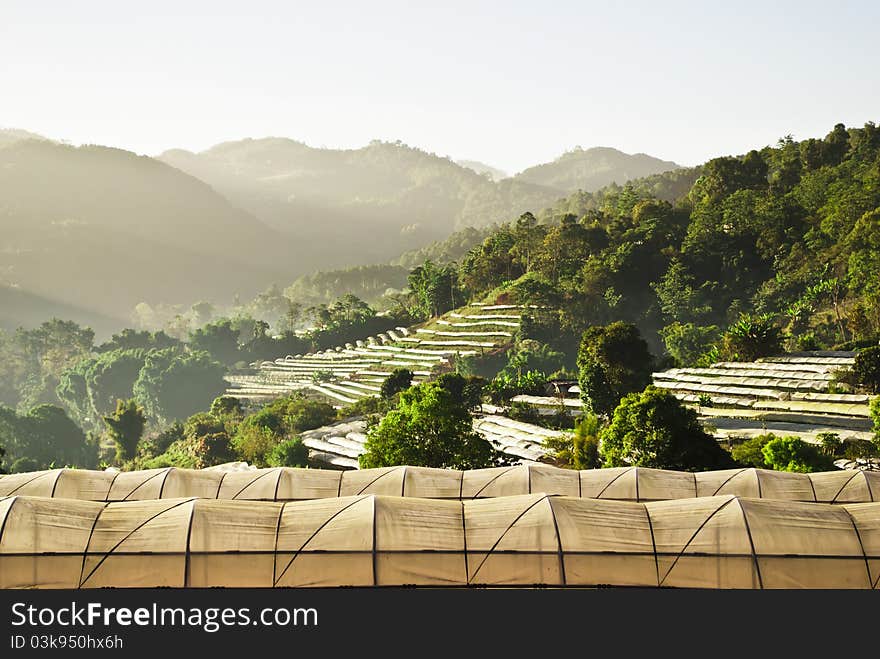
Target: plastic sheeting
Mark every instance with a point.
(287, 484)
(372, 540)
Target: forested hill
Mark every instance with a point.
(591, 169)
(356, 206)
(788, 234)
(368, 205)
(102, 229)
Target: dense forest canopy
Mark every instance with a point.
(790, 231)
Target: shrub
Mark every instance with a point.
(750, 452)
(751, 337)
(289, 453)
(830, 443)
(794, 454)
(505, 386)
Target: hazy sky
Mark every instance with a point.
(508, 83)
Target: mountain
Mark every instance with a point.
(591, 169)
(356, 206)
(103, 229)
(482, 168)
(12, 135)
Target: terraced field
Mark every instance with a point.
(794, 394)
(339, 445)
(351, 372)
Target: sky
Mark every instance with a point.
(509, 83)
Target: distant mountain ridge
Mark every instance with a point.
(594, 168)
(482, 168)
(98, 230)
(103, 229)
(12, 135)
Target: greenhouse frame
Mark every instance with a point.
(292, 484)
(374, 540)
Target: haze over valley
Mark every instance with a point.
(241, 216)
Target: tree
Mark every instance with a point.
(653, 429)
(126, 426)
(428, 428)
(687, 343)
(174, 385)
(43, 438)
(866, 369)
(612, 361)
(91, 388)
(794, 454)
(399, 380)
(435, 287)
(220, 340)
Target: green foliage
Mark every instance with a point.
(830, 442)
(505, 386)
(399, 380)
(867, 369)
(173, 385)
(436, 288)
(794, 454)
(322, 376)
(752, 337)
(613, 361)
(429, 427)
(531, 355)
(687, 343)
(43, 438)
(219, 340)
(125, 427)
(130, 339)
(580, 449)
(226, 406)
(363, 407)
(90, 389)
(467, 391)
(166, 437)
(32, 361)
(653, 429)
(875, 415)
(289, 453)
(750, 452)
(259, 433)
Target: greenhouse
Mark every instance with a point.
(289, 484)
(372, 540)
